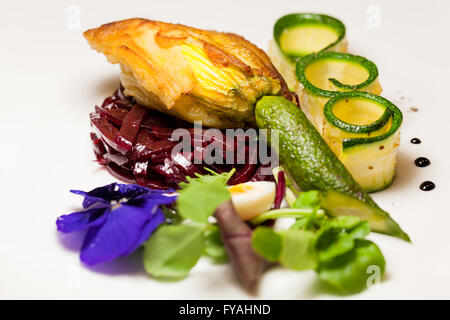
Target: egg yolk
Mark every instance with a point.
(240, 188)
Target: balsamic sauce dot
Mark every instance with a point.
(422, 162)
(427, 186)
(415, 141)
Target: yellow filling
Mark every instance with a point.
(207, 74)
(305, 39)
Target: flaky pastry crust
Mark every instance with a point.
(157, 71)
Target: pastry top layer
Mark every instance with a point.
(195, 74)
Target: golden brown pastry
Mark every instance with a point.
(193, 74)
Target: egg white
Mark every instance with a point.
(252, 198)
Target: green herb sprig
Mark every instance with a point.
(335, 248)
(175, 248)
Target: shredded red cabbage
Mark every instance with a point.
(134, 144)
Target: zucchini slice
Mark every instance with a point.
(363, 130)
(299, 34)
(326, 74)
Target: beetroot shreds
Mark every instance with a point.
(281, 190)
(135, 144)
(130, 128)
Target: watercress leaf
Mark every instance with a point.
(311, 219)
(198, 201)
(171, 215)
(333, 242)
(173, 250)
(299, 223)
(208, 178)
(213, 245)
(267, 243)
(307, 199)
(356, 227)
(352, 272)
(298, 249)
(360, 231)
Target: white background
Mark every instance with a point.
(50, 80)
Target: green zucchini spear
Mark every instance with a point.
(312, 165)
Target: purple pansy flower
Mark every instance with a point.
(118, 217)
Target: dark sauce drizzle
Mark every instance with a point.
(422, 162)
(427, 186)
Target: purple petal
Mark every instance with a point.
(117, 236)
(157, 219)
(90, 200)
(93, 216)
(131, 190)
(111, 192)
(153, 199)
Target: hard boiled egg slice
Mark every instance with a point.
(252, 198)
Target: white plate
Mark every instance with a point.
(51, 80)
